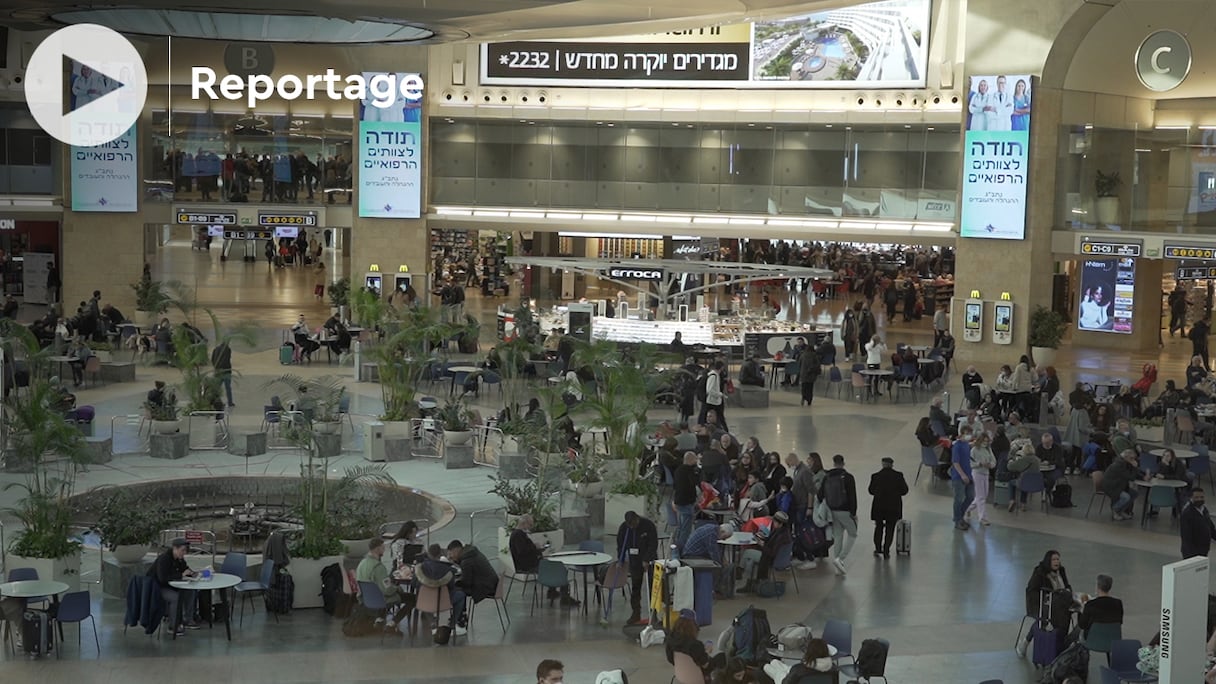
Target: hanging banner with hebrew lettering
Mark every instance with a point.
(996, 157)
(390, 156)
(103, 177)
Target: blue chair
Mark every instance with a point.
(1148, 463)
(27, 575)
(1108, 676)
(75, 607)
(235, 564)
(344, 410)
(1159, 497)
(1123, 656)
(835, 378)
(551, 575)
(248, 588)
(595, 546)
(853, 673)
(491, 378)
(1201, 465)
(272, 415)
(839, 633)
(1033, 483)
(928, 458)
(373, 601)
(1101, 635)
(784, 562)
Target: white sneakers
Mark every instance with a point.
(839, 566)
(460, 631)
(806, 565)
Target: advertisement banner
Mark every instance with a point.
(390, 157)
(995, 158)
(105, 177)
(1108, 291)
(875, 45)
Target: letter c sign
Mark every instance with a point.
(1163, 60)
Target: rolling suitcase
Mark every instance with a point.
(1046, 643)
(36, 633)
(903, 537)
(287, 353)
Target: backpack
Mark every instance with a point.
(702, 392)
(752, 633)
(812, 542)
(1061, 496)
(1073, 662)
(835, 493)
(360, 623)
(870, 658)
(794, 637)
(331, 587)
(281, 595)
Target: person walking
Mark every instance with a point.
(715, 395)
(803, 488)
(221, 359)
(983, 461)
(808, 373)
(941, 323)
(888, 487)
(1195, 526)
(839, 492)
(961, 477)
(1177, 303)
(1199, 340)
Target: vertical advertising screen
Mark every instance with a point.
(995, 157)
(390, 156)
(104, 177)
(1107, 295)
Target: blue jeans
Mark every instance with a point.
(458, 601)
(226, 380)
(964, 494)
(1124, 502)
(684, 517)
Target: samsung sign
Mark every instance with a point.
(623, 273)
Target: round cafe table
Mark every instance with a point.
(736, 542)
(1148, 485)
(782, 654)
(220, 582)
(36, 589)
(775, 365)
(1179, 453)
(874, 374)
(582, 561)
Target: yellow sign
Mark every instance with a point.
(403, 269)
(1180, 252)
(975, 294)
(1005, 297)
(374, 268)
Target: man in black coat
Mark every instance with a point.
(637, 546)
(170, 566)
(478, 579)
(888, 487)
(1196, 527)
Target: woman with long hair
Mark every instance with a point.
(816, 665)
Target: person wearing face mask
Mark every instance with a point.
(1195, 526)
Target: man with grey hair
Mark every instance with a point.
(703, 542)
(1117, 484)
(1102, 609)
(525, 556)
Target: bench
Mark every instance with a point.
(118, 371)
(248, 444)
(749, 396)
(98, 449)
(171, 446)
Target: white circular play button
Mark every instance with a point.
(107, 89)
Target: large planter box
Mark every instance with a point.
(513, 465)
(306, 573)
(66, 569)
(1154, 434)
(556, 539)
(458, 457)
(118, 371)
(328, 446)
(171, 446)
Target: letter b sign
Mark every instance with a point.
(249, 59)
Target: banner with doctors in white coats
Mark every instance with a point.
(996, 156)
(390, 157)
(105, 177)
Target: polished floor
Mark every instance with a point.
(950, 610)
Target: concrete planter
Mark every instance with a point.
(66, 569)
(457, 437)
(356, 548)
(166, 427)
(127, 554)
(1043, 356)
(306, 573)
(332, 427)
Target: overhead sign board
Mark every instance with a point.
(875, 45)
(1195, 273)
(1188, 252)
(1110, 248)
(219, 218)
(628, 273)
(249, 234)
(281, 218)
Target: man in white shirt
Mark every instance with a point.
(1003, 102)
(715, 396)
(982, 108)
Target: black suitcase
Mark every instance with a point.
(903, 537)
(36, 636)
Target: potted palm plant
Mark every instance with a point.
(457, 422)
(43, 444)
(533, 496)
(129, 524)
(1106, 205)
(164, 417)
(339, 296)
(1045, 330)
(153, 298)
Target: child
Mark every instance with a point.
(785, 498)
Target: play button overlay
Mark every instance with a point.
(107, 86)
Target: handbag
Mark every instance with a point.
(730, 386)
(770, 588)
(821, 514)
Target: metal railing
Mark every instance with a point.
(427, 437)
(201, 541)
(490, 441)
(483, 511)
(132, 419)
(81, 532)
(220, 421)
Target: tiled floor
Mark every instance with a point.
(950, 610)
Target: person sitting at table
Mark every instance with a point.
(1170, 467)
(1196, 372)
(677, 343)
(493, 360)
(752, 373)
(1170, 398)
(938, 417)
(1022, 460)
(478, 581)
(170, 566)
(79, 354)
(525, 556)
(756, 563)
(685, 638)
(1124, 438)
(816, 665)
(373, 571)
(753, 497)
(1102, 609)
(535, 414)
(703, 542)
(304, 342)
(1050, 454)
(1117, 484)
(403, 548)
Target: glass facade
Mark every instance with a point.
(26, 154)
(887, 171)
(216, 157)
(1154, 179)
